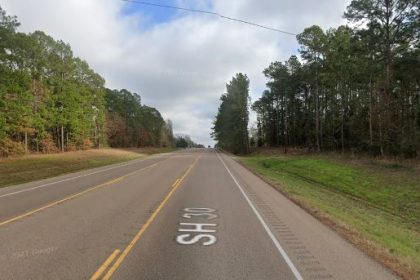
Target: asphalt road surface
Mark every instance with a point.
(195, 214)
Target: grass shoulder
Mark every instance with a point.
(28, 168)
(373, 203)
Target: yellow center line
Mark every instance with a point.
(136, 238)
(176, 181)
(73, 196)
(105, 265)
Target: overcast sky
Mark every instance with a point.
(178, 62)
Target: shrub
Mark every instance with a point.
(85, 144)
(9, 147)
(71, 147)
(47, 145)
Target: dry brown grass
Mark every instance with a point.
(72, 155)
(16, 170)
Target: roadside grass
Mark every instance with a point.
(28, 168)
(374, 204)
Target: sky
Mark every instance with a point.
(179, 62)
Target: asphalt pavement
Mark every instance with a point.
(194, 214)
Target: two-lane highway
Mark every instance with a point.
(195, 214)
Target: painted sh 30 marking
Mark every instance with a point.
(197, 232)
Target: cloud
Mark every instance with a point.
(180, 65)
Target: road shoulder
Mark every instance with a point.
(317, 250)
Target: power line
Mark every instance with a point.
(209, 13)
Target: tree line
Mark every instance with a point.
(230, 128)
(52, 101)
(354, 88)
(131, 124)
(185, 141)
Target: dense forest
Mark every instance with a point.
(131, 124)
(354, 88)
(52, 101)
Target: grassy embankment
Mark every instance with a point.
(34, 167)
(374, 204)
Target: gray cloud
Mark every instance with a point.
(180, 67)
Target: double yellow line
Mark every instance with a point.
(120, 259)
(73, 196)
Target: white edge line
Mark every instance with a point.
(71, 178)
(267, 229)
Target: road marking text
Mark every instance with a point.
(198, 232)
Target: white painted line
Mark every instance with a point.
(71, 178)
(265, 226)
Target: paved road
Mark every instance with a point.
(195, 214)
